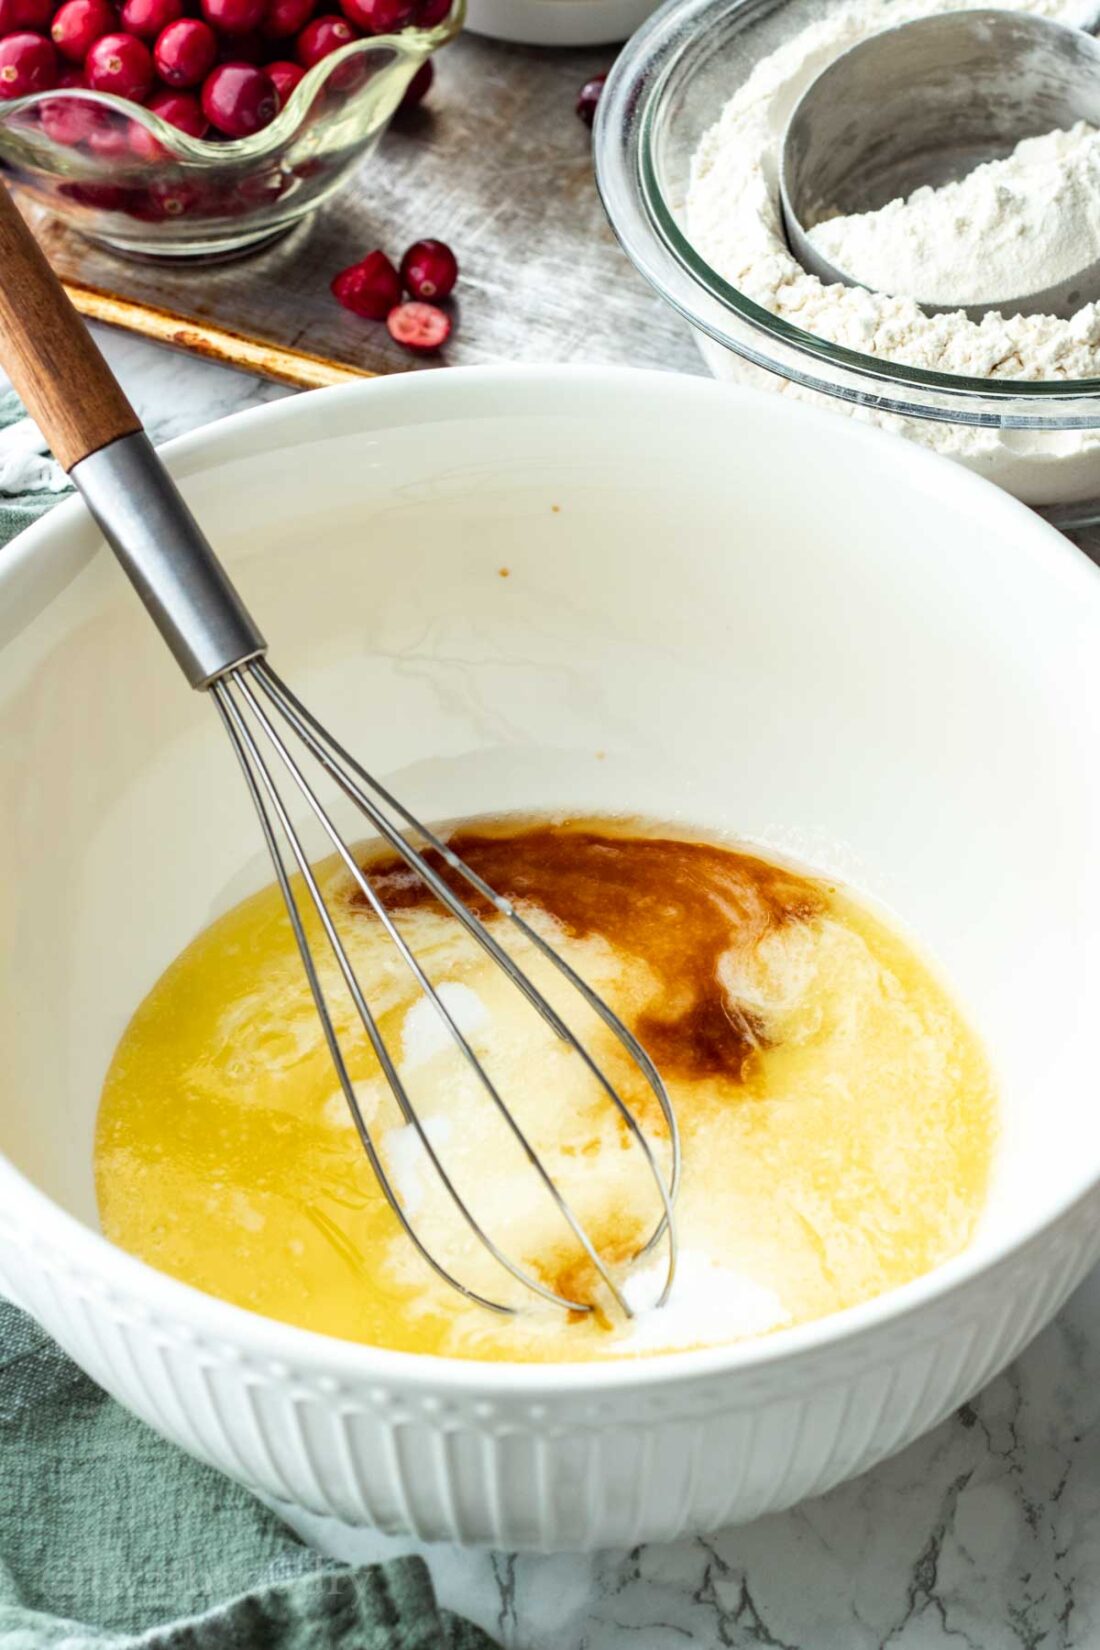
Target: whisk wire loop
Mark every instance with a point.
(330, 755)
(236, 694)
(383, 1055)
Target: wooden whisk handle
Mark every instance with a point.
(48, 353)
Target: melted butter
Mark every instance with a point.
(837, 1114)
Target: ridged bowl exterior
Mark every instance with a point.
(571, 1470)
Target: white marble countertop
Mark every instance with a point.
(983, 1536)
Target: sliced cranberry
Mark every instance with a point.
(185, 51)
(285, 18)
(429, 269)
(419, 86)
(321, 38)
(179, 109)
(589, 96)
(422, 328)
(239, 99)
(234, 16)
(121, 64)
(27, 64)
(78, 24)
(147, 18)
(370, 288)
(286, 77)
(430, 13)
(379, 16)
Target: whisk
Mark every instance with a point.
(97, 437)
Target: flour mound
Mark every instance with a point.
(733, 219)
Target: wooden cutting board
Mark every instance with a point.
(496, 163)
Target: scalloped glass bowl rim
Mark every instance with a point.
(410, 42)
(633, 105)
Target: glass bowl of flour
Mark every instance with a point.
(687, 152)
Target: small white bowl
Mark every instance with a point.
(764, 619)
(558, 22)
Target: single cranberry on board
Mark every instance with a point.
(27, 64)
(370, 288)
(379, 16)
(185, 52)
(146, 18)
(422, 328)
(179, 109)
(285, 77)
(429, 270)
(121, 64)
(239, 99)
(78, 24)
(419, 86)
(589, 96)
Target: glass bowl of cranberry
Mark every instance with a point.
(202, 128)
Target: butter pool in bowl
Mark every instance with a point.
(609, 596)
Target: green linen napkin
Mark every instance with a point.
(113, 1539)
(30, 481)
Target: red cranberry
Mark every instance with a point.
(239, 99)
(162, 201)
(233, 16)
(179, 109)
(417, 89)
(322, 37)
(589, 96)
(285, 18)
(379, 16)
(185, 51)
(101, 197)
(78, 24)
(370, 288)
(422, 328)
(24, 14)
(285, 77)
(118, 63)
(110, 137)
(429, 269)
(70, 120)
(147, 18)
(27, 64)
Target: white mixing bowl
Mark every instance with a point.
(719, 607)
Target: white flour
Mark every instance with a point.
(1012, 227)
(733, 219)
